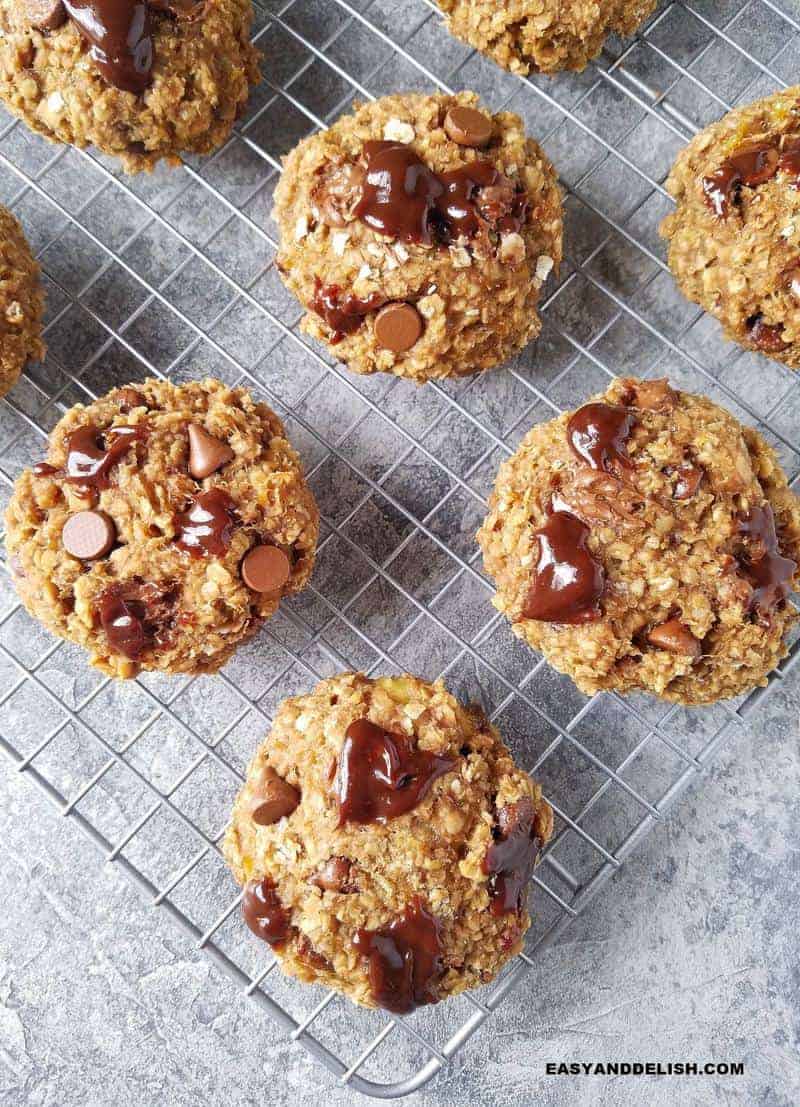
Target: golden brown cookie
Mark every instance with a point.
(144, 81)
(21, 303)
(385, 840)
(417, 234)
(647, 541)
(543, 35)
(734, 238)
(142, 536)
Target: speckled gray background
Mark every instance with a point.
(691, 952)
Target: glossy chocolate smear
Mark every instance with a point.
(207, 524)
(403, 199)
(120, 40)
(119, 34)
(598, 433)
(789, 161)
(510, 860)
(383, 775)
(404, 960)
(749, 167)
(343, 312)
(398, 192)
(264, 913)
(764, 566)
(123, 623)
(137, 614)
(568, 581)
(92, 455)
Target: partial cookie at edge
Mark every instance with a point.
(21, 303)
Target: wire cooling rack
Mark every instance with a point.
(173, 275)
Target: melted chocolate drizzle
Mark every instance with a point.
(44, 469)
(264, 913)
(404, 960)
(383, 775)
(137, 614)
(344, 314)
(207, 524)
(120, 40)
(768, 571)
(598, 433)
(750, 167)
(403, 199)
(123, 623)
(568, 581)
(92, 455)
(511, 859)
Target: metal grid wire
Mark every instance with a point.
(173, 275)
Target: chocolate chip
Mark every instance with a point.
(88, 535)
(675, 637)
(689, 479)
(265, 569)
(264, 913)
(273, 798)
(766, 336)
(129, 398)
(468, 127)
(337, 192)
(206, 453)
(398, 327)
(333, 876)
(45, 15)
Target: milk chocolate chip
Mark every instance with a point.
(468, 127)
(206, 453)
(88, 535)
(398, 327)
(337, 192)
(675, 637)
(334, 876)
(273, 799)
(265, 569)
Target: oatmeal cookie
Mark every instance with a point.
(21, 303)
(543, 36)
(734, 239)
(144, 80)
(417, 234)
(647, 541)
(164, 527)
(385, 840)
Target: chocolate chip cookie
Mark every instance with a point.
(543, 35)
(417, 234)
(647, 541)
(144, 80)
(164, 527)
(734, 239)
(385, 839)
(21, 303)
